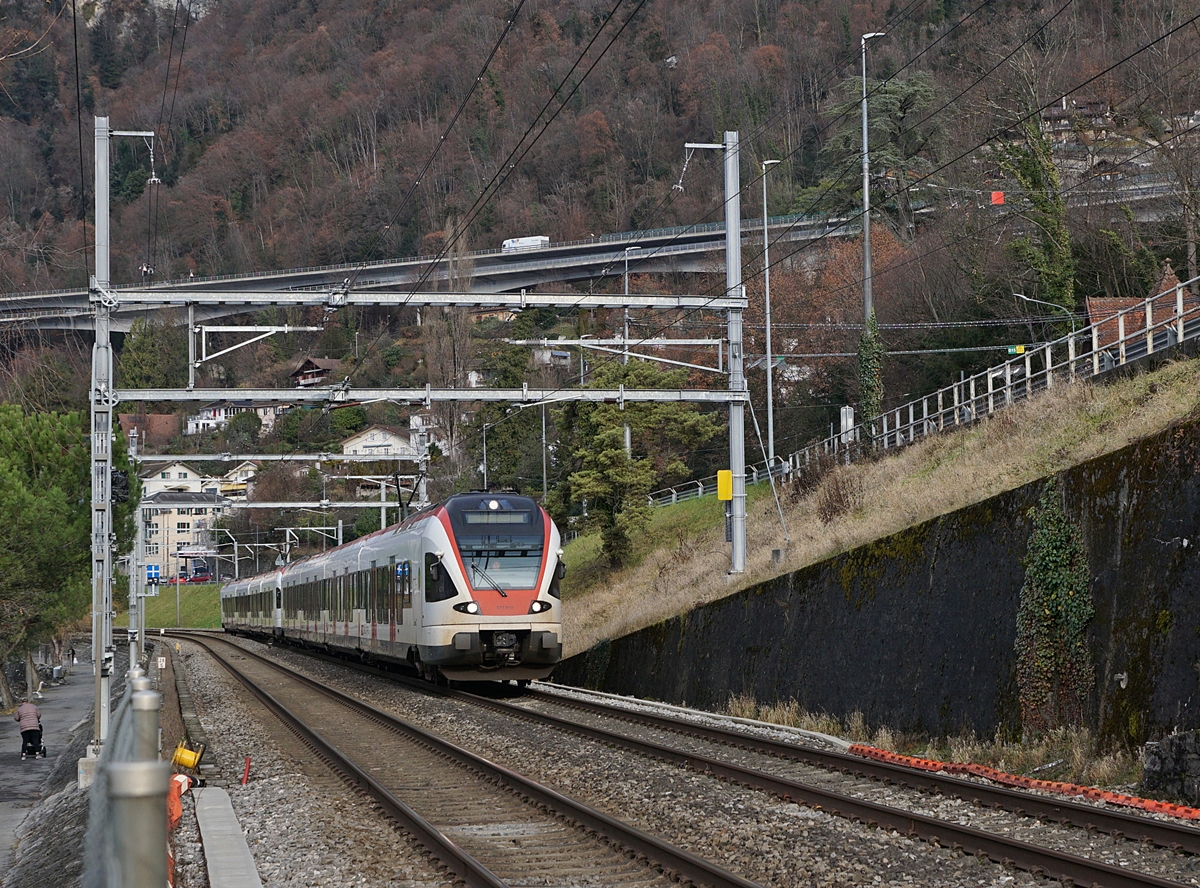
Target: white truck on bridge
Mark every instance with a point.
(516, 244)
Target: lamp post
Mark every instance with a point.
(1070, 316)
(868, 302)
(625, 341)
(767, 164)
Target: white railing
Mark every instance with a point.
(1080, 355)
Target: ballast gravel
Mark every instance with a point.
(754, 835)
(304, 827)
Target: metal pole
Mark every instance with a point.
(485, 487)
(737, 380)
(137, 574)
(101, 437)
(382, 503)
(766, 164)
(543, 453)
(625, 334)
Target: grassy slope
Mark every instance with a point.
(682, 559)
(199, 607)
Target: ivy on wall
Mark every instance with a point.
(870, 371)
(1054, 663)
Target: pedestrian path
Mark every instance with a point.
(21, 782)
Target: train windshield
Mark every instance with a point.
(500, 537)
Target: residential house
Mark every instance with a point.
(178, 477)
(385, 443)
(216, 415)
(314, 371)
(552, 357)
(238, 482)
(1102, 310)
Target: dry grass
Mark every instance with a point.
(933, 477)
(1068, 755)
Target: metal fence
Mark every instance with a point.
(126, 843)
(1131, 334)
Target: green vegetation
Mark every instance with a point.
(611, 484)
(45, 549)
(199, 607)
(870, 371)
(1054, 664)
(667, 529)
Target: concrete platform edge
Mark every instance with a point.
(226, 854)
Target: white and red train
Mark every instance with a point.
(467, 589)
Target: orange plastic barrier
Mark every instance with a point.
(963, 769)
(180, 783)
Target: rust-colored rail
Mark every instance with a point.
(681, 864)
(1116, 823)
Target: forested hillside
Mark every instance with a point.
(298, 133)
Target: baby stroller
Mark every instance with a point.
(31, 744)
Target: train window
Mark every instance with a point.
(438, 585)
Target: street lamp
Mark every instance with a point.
(767, 164)
(868, 302)
(625, 353)
(1069, 315)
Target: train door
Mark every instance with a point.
(277, 587)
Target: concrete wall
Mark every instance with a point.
(917, 630)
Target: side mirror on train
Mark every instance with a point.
(561, 570)
(434, 572)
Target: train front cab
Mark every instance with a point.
(491, 607)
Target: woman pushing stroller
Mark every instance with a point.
(30, 718)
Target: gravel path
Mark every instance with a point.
(757, 836)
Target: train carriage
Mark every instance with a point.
(468, 590)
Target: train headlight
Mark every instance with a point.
(467, 607)
(539, 607)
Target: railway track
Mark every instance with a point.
(486, 824)
(1029, 824)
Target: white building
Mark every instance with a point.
(237, 482)
(385, 443)
(216, 415)
(178, 477)
(177, 531)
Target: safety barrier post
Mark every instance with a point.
(1095, 350)
(1149, 326)
(146, 706)
(1049, 369)
(137, 792)
(972, 413)
(1008, 399)
(911, 422)
(991, 396)
(1121, 336)
(883, 416)
(899, 434)
(1071, 356)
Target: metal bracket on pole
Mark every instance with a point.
(263, 333)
